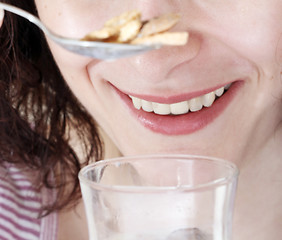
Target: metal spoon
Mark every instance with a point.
(99, 50)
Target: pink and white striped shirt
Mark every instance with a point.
(20, 203)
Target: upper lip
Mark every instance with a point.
(170, 99)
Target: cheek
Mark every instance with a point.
(279, 52)
(252, 28)
(66, 19)
(74, 70)
(69, 63)
(261, 37)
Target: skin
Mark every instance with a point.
(252, 58)
(228, 41)
(2, 14)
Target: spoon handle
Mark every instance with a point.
(33, 19)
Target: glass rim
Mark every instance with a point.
(151, 189)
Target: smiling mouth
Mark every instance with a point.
(179, 108)
(173, 117)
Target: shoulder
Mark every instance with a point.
(20, 203)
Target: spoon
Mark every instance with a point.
(99, 50)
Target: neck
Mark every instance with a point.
(258, 208)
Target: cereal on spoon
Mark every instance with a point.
(128, 28)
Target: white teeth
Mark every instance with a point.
(219, 91)
(179, 108)
(194, 104)
(161, 109)
(147, 106)
(208, 99)
(136, 102)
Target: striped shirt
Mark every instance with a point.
(20, 203)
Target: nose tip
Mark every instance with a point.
(156, 65)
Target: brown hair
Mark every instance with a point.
(37, 109)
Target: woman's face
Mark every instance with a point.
(231, 42)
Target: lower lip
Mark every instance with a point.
(186, 123)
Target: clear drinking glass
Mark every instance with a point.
(159, 197)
